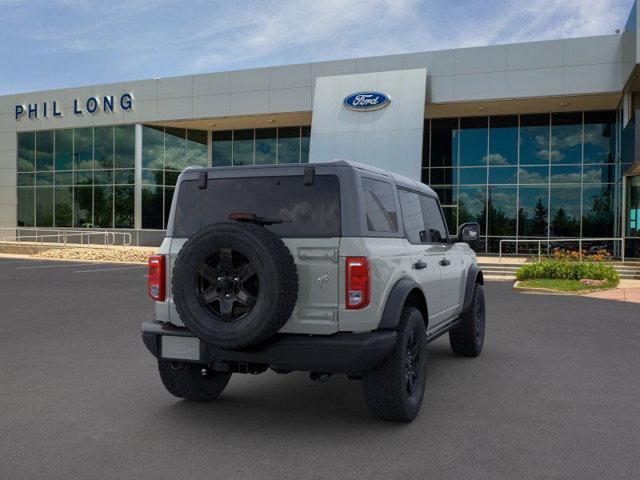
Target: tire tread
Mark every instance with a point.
(462, 337)
(382, 383)
(184, 382)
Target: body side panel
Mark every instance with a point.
(389, 261)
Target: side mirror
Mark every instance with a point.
(469, 232)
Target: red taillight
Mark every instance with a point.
(357, 282)
(155, 282)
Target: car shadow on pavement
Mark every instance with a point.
(294, 401)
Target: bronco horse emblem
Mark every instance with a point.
(322, 280)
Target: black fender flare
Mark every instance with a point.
(474, 275)
(396, 300)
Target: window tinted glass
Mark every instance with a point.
(599, 137)
(566, 138)
(503, 141)
(83, 148)
(289, 145)
(175, 148)
(436, 230)
(501, 210)
(533, 213)
(63, 159)
(152, 147)
(125, 146)
(44, 150)
(534, 139)
(103, 147)
(26, 199)
(221, 148)
(473, 141)
(123, 199)
(152, 207)
(306, 211)
(412, 216)
(26, 151)
(44, 207)
(305, 141)
(444, 146)
(197, 153)
(379, 206)
(243, 147)
(266, 146)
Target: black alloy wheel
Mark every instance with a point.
(412, 363)
(227, 284)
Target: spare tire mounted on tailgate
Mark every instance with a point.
(234, 284)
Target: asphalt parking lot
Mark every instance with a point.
(555, 394)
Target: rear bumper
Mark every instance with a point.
(344, 352)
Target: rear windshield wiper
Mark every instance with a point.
(253, 218)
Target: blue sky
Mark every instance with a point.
(47, 44)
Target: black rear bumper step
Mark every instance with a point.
(344, 352)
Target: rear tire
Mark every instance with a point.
(192, 381)
(394, 389)
(467, 337)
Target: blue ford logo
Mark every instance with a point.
(366, 101)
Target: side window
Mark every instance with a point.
(436, 229)
(412, 216)
(379, 206)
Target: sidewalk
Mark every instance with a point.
(627, 291)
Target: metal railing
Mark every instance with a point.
(77, 238)
(549, 242)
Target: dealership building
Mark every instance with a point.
(536, 141)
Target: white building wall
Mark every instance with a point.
(8, 152)
(390, 137)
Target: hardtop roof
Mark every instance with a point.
(400, 180)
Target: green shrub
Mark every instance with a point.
(558, 269)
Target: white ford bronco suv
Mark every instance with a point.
(327, 268)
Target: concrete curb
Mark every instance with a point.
(539, 291)
(74, 260)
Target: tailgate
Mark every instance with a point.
(316, 310)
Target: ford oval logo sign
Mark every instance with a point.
(366, 101)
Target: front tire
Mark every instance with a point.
(192, 381)
(394, 389)
(467, 337)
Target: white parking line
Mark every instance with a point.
(53, 266)
(108, 269)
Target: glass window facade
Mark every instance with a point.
(80, 177)
(165, 153)
(535, 176)
(85, 177)
(260, 146)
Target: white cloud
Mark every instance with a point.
(143, 38)
(532, 176)
(494, 159)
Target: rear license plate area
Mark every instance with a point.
(180, 348)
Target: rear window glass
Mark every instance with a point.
(379, 206)
(306, 211)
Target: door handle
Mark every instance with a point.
(419, 265)
(444, 262)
